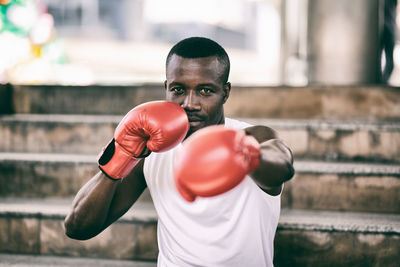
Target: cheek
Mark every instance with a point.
(168, 96)
(172, 98)
(214, 109)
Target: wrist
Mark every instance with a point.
(116, 162)
(252, 151)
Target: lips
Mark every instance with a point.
(194, 120)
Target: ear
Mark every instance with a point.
(227, 91)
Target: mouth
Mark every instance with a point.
(194, 124)
(194, 121)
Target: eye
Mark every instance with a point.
(205, 91)
(177, 90)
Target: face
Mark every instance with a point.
(197, 85)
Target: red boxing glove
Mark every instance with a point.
(157, 125)
(213, 160)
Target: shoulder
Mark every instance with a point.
(262, 133)
(236, 124)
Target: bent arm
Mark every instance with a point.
(276, 160)
(101, 201)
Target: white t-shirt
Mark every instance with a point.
(236, 228)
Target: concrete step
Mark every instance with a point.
(47, 175)
(321, 238)
(315, 101)
(348, 139)
(35, 226)
(368, 187)
(304, 238)
(40, 260)
(364, 187)
(371, 140)
(94, 99)
(35, 133)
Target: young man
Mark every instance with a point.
(234, 223)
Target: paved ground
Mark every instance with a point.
(31, 260)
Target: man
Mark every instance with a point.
(233, 222)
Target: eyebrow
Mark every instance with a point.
(202, 84)
(207, 84)
(176, 83)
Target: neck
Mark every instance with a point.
(222, 119)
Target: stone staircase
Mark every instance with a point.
(342, 207)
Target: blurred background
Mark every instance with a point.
(325, 74)
(271, 42)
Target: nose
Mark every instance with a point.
(191, 103)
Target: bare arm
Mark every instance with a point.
(101, 201)
(276, 161)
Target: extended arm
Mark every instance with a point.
(276, 160)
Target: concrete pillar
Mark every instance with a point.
(128, 18)
(343, 41)
(294, 42)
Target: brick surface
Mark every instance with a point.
(88, 134)
(303, 237)
(316, 185)
(343, 192)
(266, 102)
(316, 248)
(366, 143)
(48, 137)
(315, 102)
(4, 234)
(58, 99)
(297, 140)
(33, 179)
(19, 235)
(119, 241)
(41, 260)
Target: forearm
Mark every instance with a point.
(276, 165)
(90, 208)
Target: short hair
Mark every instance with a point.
(198, 47)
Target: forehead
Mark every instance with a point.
(205, 67)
